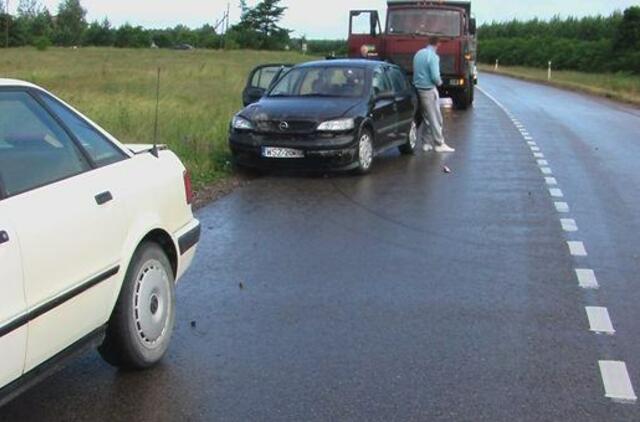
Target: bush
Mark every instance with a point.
(41, 43)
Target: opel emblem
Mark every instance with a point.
(284, 126)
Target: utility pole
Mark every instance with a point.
(6, 27)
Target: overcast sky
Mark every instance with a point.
(320, 18)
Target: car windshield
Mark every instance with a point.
(424, 22)
(328, 81)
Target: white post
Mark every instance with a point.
(497, 64)
(549, 72)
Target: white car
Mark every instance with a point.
(93, 237)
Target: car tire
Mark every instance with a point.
(140, 328)
(365, 152)
(412, 140)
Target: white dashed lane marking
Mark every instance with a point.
(569, 224)
(535, 149)
(543, 163)
(556, 193)
(562, 207)
(587, 278)
(551, 181)
(599, 320)
(546, 170)
(577, 248)
(538, 155)
(616, 381)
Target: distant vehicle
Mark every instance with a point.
(93, 236)
(334, 114)
(184, 47)
(408, 26)
(261, 79)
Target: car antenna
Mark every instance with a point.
(154, 150)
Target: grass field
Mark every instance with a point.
(200, 92)
(615, 86)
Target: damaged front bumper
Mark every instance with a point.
(319, 151)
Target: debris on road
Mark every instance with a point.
(241, 286)
(446, 169)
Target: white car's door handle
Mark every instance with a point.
(104, 197)
(4, 237)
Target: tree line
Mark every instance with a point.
(35, 25)
(590, 44)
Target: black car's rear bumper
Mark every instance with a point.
(321, 152)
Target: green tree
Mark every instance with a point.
(36, 21)
(99, 34)
(71, 23)
(128, 36)
(258, 26)
(628, 34)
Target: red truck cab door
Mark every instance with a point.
(365, 34)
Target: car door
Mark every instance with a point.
(364, 34)
(13, 306)
(70, 226)
(405, 99)
(261, 79)
(383, 113)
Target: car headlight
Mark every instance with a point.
(339, 125)
(241, 123)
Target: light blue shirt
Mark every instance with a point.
(426, 69)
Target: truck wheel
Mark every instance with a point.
(141, 325)
(412, 140)
(462, 100)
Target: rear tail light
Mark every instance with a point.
(188, 188)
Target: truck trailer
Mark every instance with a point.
(409, 24)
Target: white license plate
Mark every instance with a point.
(272, 152)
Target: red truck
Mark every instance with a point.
(409, 24)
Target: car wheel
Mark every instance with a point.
(412, 140)
(141, 325)
(365, 151)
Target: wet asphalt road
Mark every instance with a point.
(408, 294)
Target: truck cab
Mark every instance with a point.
(409, 24)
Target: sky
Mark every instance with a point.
(319, 18)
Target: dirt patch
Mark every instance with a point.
(219, 189)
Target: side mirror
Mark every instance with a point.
(472, 26)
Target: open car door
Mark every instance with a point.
(365, 40)
(261, 79)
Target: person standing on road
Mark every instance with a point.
(426, 78)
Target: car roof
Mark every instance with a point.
(16, 82)
(370, 64)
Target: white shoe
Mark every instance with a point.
(444, 148)
(427, 147)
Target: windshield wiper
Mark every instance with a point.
(320, 95)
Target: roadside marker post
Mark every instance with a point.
(549, 73)
(497, 64)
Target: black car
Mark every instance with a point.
(334, 114)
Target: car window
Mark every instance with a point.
(34, 149)
(100, 149)
(380, 83)
(264, 77)
(398, 80)
(330, 81)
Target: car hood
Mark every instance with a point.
(300, 108)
